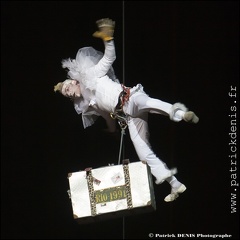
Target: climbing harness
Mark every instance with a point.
(120, 115)
(118, 112)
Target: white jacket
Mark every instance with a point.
(99, 87)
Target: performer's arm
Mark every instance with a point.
(106, 30)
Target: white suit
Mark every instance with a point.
(100, 92)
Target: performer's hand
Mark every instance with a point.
(106, 28)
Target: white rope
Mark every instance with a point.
(123, 77)
(123, 42)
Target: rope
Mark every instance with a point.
(123, 44)
(122, 128)
(121, 141)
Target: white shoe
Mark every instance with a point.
(190, 117)
(174, 194)
(170, 173)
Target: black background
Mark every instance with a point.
(183, 51)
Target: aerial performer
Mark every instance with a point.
(95, 91)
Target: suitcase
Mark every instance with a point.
(111, 191)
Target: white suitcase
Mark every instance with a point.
(111, 191)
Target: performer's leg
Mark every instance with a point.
(138, 129)
(177, 188)
(140, 102)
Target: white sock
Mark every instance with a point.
(175, 184)
(179, 114)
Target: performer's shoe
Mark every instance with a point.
(175, 193)
(190, 117)
(170, 173)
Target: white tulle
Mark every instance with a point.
(86, 58)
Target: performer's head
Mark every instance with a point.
(69, 88)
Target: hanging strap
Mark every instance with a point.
(123, 127)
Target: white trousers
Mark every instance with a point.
(137, 109)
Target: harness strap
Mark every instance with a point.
(125, 95)
(118, 112)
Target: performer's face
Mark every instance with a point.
(71, 89)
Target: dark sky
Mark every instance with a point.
(180, 51)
